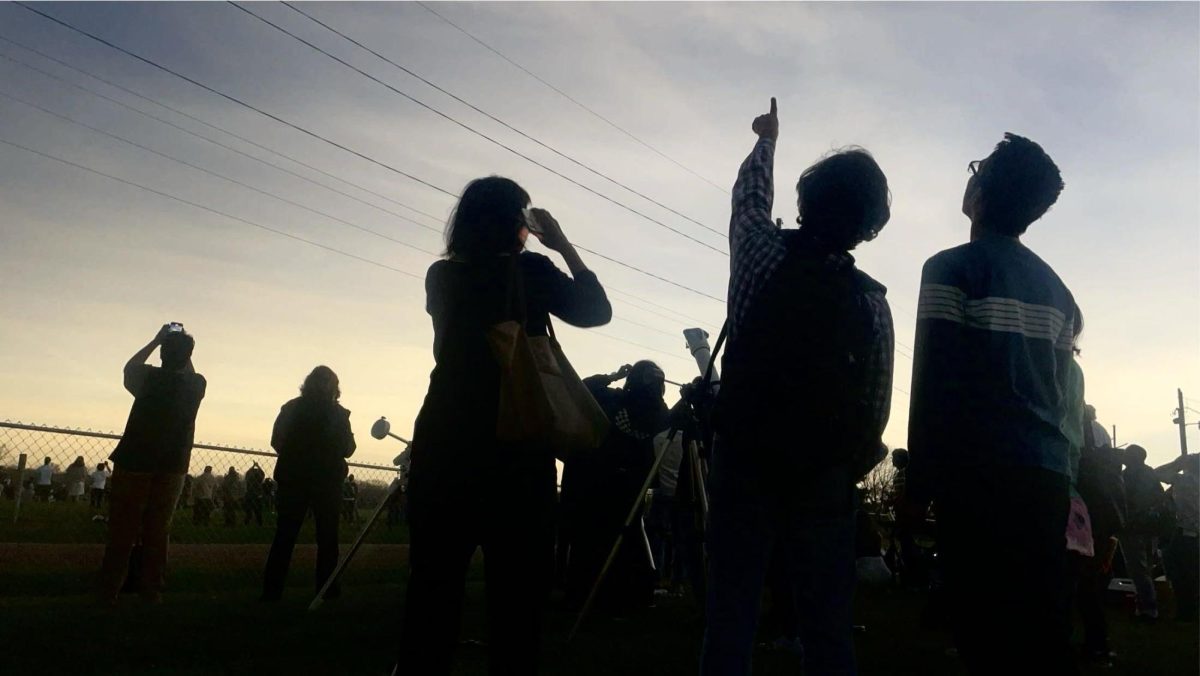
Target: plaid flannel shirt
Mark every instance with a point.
(756, 249)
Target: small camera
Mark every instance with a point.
(174, 327)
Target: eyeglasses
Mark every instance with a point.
(973, 167)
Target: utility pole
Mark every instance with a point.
(1181, 420)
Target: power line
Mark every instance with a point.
(211, 210)
(185, 163)
(568, 97)
(701, 323)
(233, 99)
(212, 141)
(650, 274)
(465, 126)
(297, 127)
(484, 113)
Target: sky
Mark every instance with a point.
(90, 267)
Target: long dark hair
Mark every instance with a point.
(321, 385)
(487, 219)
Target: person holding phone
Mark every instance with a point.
(151, 459)
(460, 471)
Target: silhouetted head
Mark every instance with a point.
(1089, 413)
(100, 467)
(321, 385)
(1012, 188)
(233, 471)
(350, 478)
(488, 220)
(1076, 330)
(46, 461)
(1135, 455)
(177, 350)
(208, 469)
(79, 461)
(900, 458)
(843, 199)
(647, 380)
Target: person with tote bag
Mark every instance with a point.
(502, 402)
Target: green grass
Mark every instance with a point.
(71, 523)
(213, 625)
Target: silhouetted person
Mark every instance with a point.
(993, 343)
(600, 485)
(76, 475)
(232, 492)
(268, 490)
(350, 500)
(253, 502)
(466, 488)
(1183, 554)
(151, 460)
(312, 437)
(99, 483)
(911, 567)
(44, 477)
(204, 488)
(805, 393)
(1146, 504)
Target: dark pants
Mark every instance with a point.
(1183, 560)
(202, 509)
(510, 515)
(97, 498)
(811, 519)
(1090, 584)
(1002, 539)
(252, 504)
(293, 501)
(42, 493)
(141, 509)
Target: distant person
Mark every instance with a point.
(232, 492)
(312, 438)
(99, 484)
(1183, 554)
(204, 490)
(467, 489)
(268, 491)
(600, 485)
(185, 496)
(44, 476)
(1095, 428)
(151, 460)
(911, 567)
(253, 502)
(350, 500)
(76, 477)
(805, 394)
(1147, 506)
(993, 343)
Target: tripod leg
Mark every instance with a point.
(612, 554)
(341, 567)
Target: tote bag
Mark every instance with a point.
(543, 402)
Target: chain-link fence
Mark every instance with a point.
(225, 535)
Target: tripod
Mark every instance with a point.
(381, 429)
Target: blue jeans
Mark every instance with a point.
(812, 519)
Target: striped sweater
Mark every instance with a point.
(992, 357)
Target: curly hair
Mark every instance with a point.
(321, 384)
(844, 198)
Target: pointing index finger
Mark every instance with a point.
(774, 108)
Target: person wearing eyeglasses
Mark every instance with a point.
(990, 367)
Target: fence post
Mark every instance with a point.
(20, 485)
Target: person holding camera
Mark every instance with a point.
(151, 459)
(460, 471)
(805, 394)
(312, 437)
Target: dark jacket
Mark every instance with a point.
(313, 439)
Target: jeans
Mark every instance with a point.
(294, 500)
(1138, 550)
(814, 526)
(1002, 540)
(97, 498)
(143, 503)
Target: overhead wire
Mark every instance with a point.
(280, 120)
(468, 127)
(488, 115)
(572, 99)
(213, 141)
(209, 209)
(232, 99)
(223, 177)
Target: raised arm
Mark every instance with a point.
(579, 299)
(755, 245)
(135, 371)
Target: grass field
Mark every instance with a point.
(210, 623)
